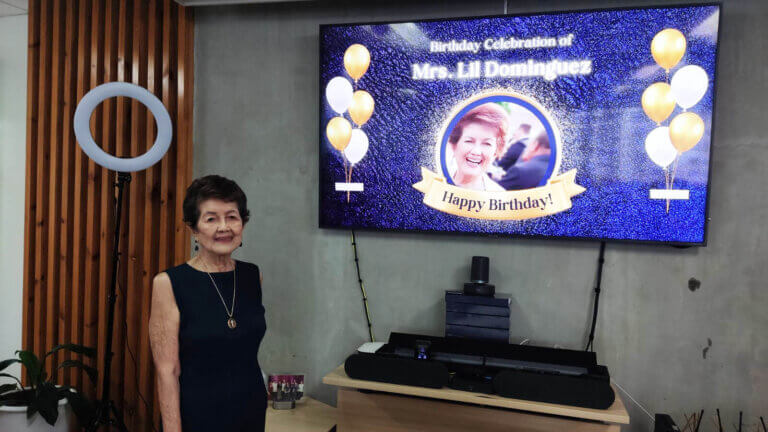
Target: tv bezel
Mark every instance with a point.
(703, 243)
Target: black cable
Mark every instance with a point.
(719, 424)
(133, 359)
(701, 416)
(135, 368)
(600, 260)
(362, 289)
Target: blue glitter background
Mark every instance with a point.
(601, 122)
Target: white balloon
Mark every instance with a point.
(357, 147)
(339, 94)
(82, 127)
(659, 147)
(689, 84)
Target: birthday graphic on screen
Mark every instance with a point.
(591, 125)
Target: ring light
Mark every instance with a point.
(99, 94)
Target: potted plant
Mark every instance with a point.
(19, 405)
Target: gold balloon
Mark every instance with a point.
(668, 47)
(356, 60)
(685, 131)
(658, 102)
(361, 108)
(339, 132)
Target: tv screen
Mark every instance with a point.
(588, 124)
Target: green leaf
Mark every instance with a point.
(33, 365)
(64, 391)
(4, 388)
(18, 398)
(48, 403)
(31, 408)
(12, 377)
(75, 348)
(5, 363)
(82, 407)
(14, 402)
(93, 374)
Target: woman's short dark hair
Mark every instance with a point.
(213, 187)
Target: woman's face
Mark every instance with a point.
(475, 150)
(220, 228)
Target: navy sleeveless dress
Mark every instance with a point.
(221, 386)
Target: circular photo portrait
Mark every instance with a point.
(499, 142)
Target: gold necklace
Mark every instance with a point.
(231, 323)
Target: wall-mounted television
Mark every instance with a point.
(584, 124)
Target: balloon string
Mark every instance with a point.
(674, 170)
(672, 180)
(666, 184)
(346, 176)
(349, 180)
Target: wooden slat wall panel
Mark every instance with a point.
(30, 185)
(41, 195)
(122, 139)
(78, 227)
(75, 45)
(54, 176)
(106, 214)
(69, 66)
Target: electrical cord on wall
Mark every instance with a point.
(362, 288)
(600, 260)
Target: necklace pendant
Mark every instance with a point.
(231, 323)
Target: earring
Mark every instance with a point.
(241, 244)
(196, 246)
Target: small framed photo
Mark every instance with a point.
(285, 390)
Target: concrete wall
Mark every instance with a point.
(13, 118)
(675, 350)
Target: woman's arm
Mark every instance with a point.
(164, 340)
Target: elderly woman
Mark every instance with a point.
(207, 321)
(477, 139)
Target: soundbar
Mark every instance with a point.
(479, 360)
(560, 376)
(397, 370)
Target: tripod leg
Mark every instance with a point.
(118, 418)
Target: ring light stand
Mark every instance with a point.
(106, 411)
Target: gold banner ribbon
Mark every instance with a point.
(554, 197)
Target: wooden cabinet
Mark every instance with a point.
(379, 407)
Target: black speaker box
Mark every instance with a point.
(471, 385)
(479, 272)
(393, 370)
(584, 391)
(479, 289)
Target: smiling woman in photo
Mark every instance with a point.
(476, 140)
